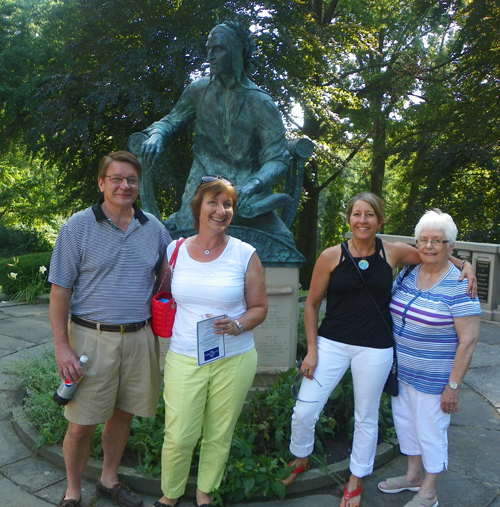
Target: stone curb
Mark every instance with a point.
(151, 485)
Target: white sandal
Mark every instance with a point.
(397, 484)
(416, 501)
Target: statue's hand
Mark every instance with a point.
(151, 148)
(246, 191)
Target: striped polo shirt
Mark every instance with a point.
(111, 271)
(424, 331)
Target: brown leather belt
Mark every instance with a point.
(112, 328)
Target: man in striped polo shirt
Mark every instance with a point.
(103, 269)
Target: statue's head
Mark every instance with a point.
(234, 47)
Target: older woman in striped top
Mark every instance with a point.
(436, 327)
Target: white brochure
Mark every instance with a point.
(211, 346)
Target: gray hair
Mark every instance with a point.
(435, 219)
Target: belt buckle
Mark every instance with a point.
(122, 329)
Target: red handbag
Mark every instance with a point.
(163, 306)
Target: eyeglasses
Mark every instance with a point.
(433, 242)
(133, 181)
(295, 389)
(209, 178)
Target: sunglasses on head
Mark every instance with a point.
(209, 178)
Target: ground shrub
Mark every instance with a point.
(259, 451)
(25, 277)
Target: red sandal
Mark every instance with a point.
(296, 471)
(351, 494)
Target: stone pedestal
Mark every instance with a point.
(276, 337)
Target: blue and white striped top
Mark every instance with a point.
(111, 271)
(424, 331)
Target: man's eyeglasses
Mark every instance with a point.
(133, 181)
(209, 178)
(295, 388)
(433, 242)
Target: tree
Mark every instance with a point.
(91, 73)
(449, 151)
(26, 191)
(24, 54)
(353, 70)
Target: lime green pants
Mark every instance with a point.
(201, 401)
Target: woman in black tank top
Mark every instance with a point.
(353, 335)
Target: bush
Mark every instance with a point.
(37, 373)
(23, 277)
(16, 241)
(259, 451)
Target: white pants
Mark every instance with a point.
(422, 427)
(370, 368)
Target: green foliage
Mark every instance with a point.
(146, 439)
(25, 277)
(29, 190)
(400, 97)
(448, 153)
(259, 451)
(37, 373)
(20, 241)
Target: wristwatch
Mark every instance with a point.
(239, 325)
(454, 385)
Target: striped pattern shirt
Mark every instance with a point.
(424, 331)
(111, 272)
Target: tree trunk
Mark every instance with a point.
(379, 148)
(307, 232)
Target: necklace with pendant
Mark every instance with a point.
(207, 250)
(363, 263)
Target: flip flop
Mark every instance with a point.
(416, 501)
(296, 471)
(351, 494)
(397, 484)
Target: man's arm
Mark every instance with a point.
(68, 363)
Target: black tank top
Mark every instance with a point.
(351, 316)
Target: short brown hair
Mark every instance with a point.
(213, 187)
(118, 156)
(373, 200)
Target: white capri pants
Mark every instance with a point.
(422, 427)
(370, 368)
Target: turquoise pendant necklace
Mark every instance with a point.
(363, 263)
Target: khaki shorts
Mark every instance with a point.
(122, 372)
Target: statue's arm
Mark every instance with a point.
(273, 155)
(161, 132)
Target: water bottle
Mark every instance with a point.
(67, 387)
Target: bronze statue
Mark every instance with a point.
(239, 134)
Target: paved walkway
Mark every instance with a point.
(473, 479)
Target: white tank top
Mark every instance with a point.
(216, 287)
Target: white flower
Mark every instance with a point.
(13, 275)
(42, 269)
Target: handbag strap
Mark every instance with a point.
(346, 247)
(172, 262)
